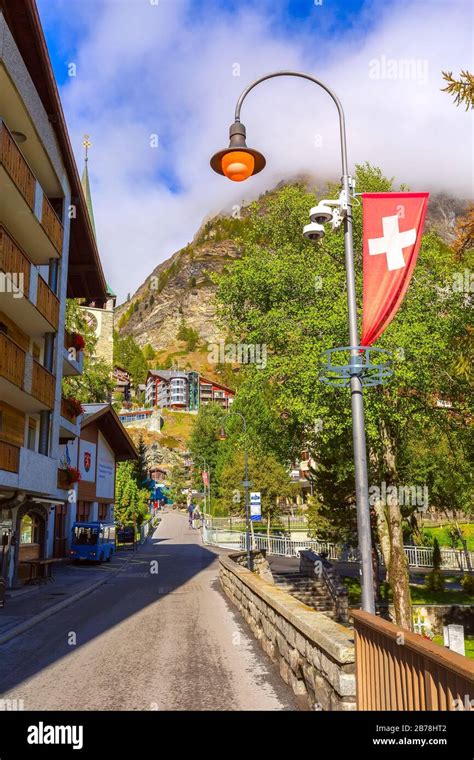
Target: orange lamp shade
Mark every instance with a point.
(238, 165)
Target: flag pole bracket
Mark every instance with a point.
(374, 366)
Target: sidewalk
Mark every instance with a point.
(28, 605)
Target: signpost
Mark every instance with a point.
(255, 506)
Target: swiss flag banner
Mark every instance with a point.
(392, 230)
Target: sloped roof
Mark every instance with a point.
(111, 427)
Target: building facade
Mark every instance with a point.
(186, 391)
(47, 253)
(103, 442)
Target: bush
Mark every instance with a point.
(467, 583)
(434, 580)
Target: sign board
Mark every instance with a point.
(105, 470)
(456, 638)
(255, 505)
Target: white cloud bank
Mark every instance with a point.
(145, 69)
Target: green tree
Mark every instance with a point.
(127, 354)
(178, 482)
(95, 384)
(149, 352)
(131, 501)
(204, 439)
(140, 465)
(288, 294)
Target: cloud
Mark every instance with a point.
(168, 70)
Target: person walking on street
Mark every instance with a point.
(190, 513)
(197, 518)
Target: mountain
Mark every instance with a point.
(180, 289)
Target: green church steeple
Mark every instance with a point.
(86, 184)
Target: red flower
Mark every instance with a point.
(74, 406)
(78, 341)
(72, 475)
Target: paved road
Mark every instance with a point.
(147, 641)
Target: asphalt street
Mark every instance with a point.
(159, 635)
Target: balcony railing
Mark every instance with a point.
(13, 261)
(51, 225)
(43, 385)
(399, 670)
(16, 166)
(12, 361)
(9, 457)
(12, 159)
(47, 303)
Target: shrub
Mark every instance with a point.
(467, 583)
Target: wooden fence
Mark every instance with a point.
(400, 670)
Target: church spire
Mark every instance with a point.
(85, 181)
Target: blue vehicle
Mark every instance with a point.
(93, 541)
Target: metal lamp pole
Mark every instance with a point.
(237, 142)
(206, 470)
(246, 486)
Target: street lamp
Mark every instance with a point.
(238, 162)
(206, 470)
(246, 483)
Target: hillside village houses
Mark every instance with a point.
(172, 389)
(48, 252)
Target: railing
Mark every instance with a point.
(47, 303)
(12, 361)
(43, 385)
(13, 261)
(9, 457)
(400, 670)
(147, 527)
(52, 225)
(12, 159)
(451, 559)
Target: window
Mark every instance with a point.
(86, 536)
(83, 510)
(29, 529)
(31, 434)
(36, 352)
(102, 511)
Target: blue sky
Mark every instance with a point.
(172, 70)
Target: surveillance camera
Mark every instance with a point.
(313, 231)
(321, 214)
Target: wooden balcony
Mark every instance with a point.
(52, 225)
(47, 303)
(12, 361)
(14, 261)
(414, 674)
(16, 166)
(43, 385)
(9, 457)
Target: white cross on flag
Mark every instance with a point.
(392, 230)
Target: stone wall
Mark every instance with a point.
(315, 655)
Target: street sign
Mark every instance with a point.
(255, 505)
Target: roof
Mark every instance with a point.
(166, 374)
(85, 275)
(218, 385)
(110, 426)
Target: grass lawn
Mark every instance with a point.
(444, 539)
(468, 643)
(419, 594)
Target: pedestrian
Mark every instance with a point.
(197, 517)
(190, 513)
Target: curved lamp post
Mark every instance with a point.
(246, 484)
(206, 470)
(238, 162)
